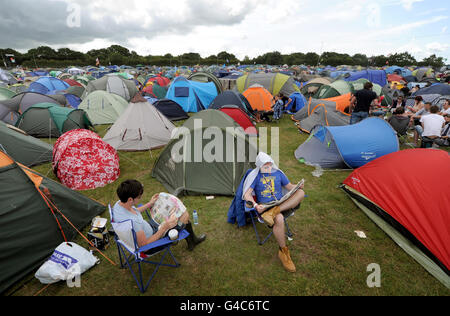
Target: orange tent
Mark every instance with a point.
(259, 98)
(342, 102)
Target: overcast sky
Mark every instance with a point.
(242, 27)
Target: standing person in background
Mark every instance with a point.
(361, 102)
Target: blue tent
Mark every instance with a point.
(192, 96)
(72, 99)
(404, 72)
(46, 84)
(374, 76)
(350, 146)
(298, 103)
(439, 88)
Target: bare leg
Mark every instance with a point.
(278, 230)
(293, 201)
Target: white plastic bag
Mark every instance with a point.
(67, 262)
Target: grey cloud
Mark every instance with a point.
(26, 24)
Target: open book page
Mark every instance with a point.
(285, 197)
(165, 206)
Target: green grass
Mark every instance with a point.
(330, 258)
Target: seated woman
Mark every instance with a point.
(418, 105)
(130, 193)
(267, 182)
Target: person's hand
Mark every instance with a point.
(259, 209)
(302, 186)
(170, 222)
(154, 199)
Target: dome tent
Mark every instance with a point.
(103, 107)
(192, 96)
(46, 84)
(320, 112)
(259, 98)
(10, 110)
(50, 120)
(232, 98)
(409, 206)
(141, 127)
(31, 207)
(112, 84)
(24, 148)
(83, 161)
(190, 175)
(171, 110)
(349, 146)
(241, 118)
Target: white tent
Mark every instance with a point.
(141, 127)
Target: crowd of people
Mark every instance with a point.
(429, 123)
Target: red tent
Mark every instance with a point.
(72, 82)
(241, 118)
(410, 190)
(395, 77)
(83, 161)
(162, 81)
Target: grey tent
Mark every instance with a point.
(185, 166)
(22, 147)
(76, 90)
(113, 84)
(320, 112)
(10, 110)
(141, 127)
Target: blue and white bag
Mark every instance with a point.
(67, 262)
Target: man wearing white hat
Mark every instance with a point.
(269, 184)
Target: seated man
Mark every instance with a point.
(400, 121)
(130, 193)
(416, 120)
(432, 125)
(267, 182)
(444, 140)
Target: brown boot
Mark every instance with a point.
(286, 260)
(269, 216)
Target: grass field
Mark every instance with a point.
(330, 258)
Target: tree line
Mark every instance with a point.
(45, 56)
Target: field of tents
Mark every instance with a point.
(70, 136)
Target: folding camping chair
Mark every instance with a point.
(256, 217)
(125, 237)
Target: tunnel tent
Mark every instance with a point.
(275, 83)
(31, 205)
(408, 206)
(22, 147)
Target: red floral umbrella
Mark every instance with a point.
(83, 161)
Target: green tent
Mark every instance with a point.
(335, 89)
(29, 217)
(103, 107)
(189, 174)
(113, 84)
(6, 94)
(24, 148)
(359, 85)
(50, 120)
(275, 83)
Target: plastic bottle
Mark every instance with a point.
(195, 217)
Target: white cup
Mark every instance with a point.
(173, 234)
